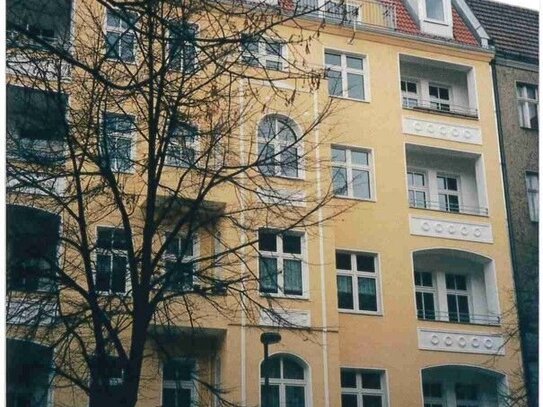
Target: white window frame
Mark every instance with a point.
(354, 274)
(344, 71)
(438, 100)
(175, 143)
(437, 401)
(168, 257)
(532, 191)
(261, 57)
(460, 293)
(120, 31)
(449, 192)
(524, 101)
(413, 188)
(282, 382)
(441, 21)
(280, 256)
(350, 166)
(181, 384)
(281, 146)
(112, 252)
(360, 391)
(114, 165)
(428, 290)
(195, 65)
(408, 97)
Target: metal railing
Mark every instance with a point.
(442, 107)
(452, 208)
(459, 317)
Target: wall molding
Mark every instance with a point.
(286, 318)
(448, 229)
(460, 341)
(442, 130)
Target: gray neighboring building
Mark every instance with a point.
(514, 32)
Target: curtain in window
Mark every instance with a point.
(293, 277)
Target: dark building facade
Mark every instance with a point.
(514, 32)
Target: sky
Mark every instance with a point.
(533, 4)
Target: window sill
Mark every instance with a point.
(366, 313)
(350, 99)
(442, 112)
(352, 198)
(301, 178)
(531, 129)
(438, 22)
(286, 296)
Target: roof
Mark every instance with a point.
(513, 29)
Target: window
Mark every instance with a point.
(351, 172)
(111, 260)
(179, 263)
(434, 10)
(466, 395)
(418, 189)
(439, 97)
(288, 382)
(362, 388)
(346, 75)
(182, 46)
(183, 145)
(277, 147)
(532, 186)
(457, 297)
(410, 94)
(448, 193)
(263, 52)
(433, 395)
(357, 282)
(120, 38)
(281, 262)
(528, 100)
(425, 295)
(117, 141)
(178, 386)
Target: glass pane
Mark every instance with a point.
(127, 47)
(371, 380)
(463, 308)
(273, 48)
(348, 378)
(266, 128)
(441, 183)
(339, 176)
(434, 9)
(355, 63)
(273, 396)
(420, 305)
(359, 157)
(112, 40)
(452, 184)
(113, 19)
(294, 396)
(348, 400)
(168, 398)
(343, 261)
(444, 93)
(267, 158)
(332, 59)
(429, 308)
(339, 155)
(292, 369)
(450, 281)
(355, 86)
(268, 275)
(361, 184)
(367, 297)
(274, 367)
(345, 292)
(335, 83)
(466, 392)
(531, 92)
(420, 199)
(365, 263)
(267, 241)
(292, 244)
(293, 277)
(532, 114)
(460, 282)
(452, 307)
(118, 280)
(372, 401)
(103, 270)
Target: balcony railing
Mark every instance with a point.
(15, 39)
(441, 107)
(459, 317)
(440, 206)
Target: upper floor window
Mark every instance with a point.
(448, 193)
(263, 52)
(281, 263)
(418, 189)
(425, 293)
(117, 141)
(178, 385)
(179, 259)
(351, 172)
(111, 260)
(362, 388)
(278, 147)
(528, 100)
(346, 74)
(532, 187)
(182, 145)
(433, 394)
(182, 46)
(357, 282)
(434, 10)
(410, 93)
(440, 97)
(288, 382)
(120, 37)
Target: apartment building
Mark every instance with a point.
(516, 70)
(399, 294)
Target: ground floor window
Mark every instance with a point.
(287, 382)
(178, 388)
(362, 388)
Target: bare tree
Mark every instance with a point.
(145, 158)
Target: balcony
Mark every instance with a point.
(437, 87)
(445, 181)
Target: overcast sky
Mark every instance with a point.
(533, 4)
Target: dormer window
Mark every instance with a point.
(434, 10)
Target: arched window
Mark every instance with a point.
(277, 146)
(288, 382)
